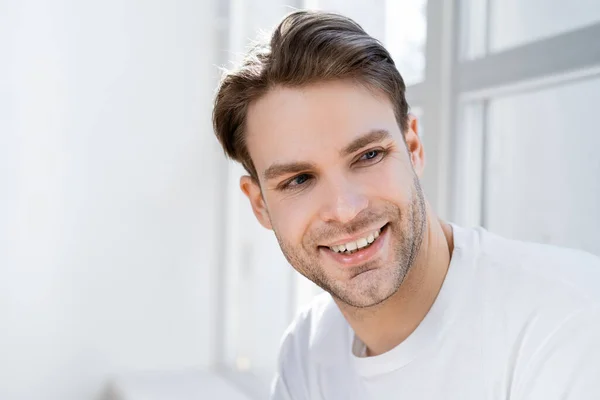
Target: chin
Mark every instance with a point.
(365, 290)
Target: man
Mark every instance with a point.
(416, 308)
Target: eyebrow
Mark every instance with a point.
(373, 136)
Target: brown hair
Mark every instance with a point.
(306, 47)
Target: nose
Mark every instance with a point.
(343, 201)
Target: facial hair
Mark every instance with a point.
(406, 228)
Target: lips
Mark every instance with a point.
(358, 256)
(356, 245)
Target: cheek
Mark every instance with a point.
(392, 182)
(290, 222)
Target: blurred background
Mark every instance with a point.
(130, 265)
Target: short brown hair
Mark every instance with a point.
(306, 47)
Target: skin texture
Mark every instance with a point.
(334, 166)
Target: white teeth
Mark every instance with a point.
(351, 247)
(360, 243)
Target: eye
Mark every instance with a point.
(371, 157)
(299, 180)
(296, 182)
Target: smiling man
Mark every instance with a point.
(416, 308)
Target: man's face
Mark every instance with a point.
(337, 184)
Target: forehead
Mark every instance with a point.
(305, 123)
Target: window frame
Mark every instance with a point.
(455, 82)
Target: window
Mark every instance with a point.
(517, 22)
(542, 166)
(494, 26)
(522, 159)
(405, 33)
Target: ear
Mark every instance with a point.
(415, 146)
(251, 189)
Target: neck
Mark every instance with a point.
(386, 325)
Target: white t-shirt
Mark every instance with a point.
(513, 320)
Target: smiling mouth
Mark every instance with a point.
(357, 245)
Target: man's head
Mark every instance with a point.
(319, 119)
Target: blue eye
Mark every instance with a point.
(296, 182)
(369, 155)
(300, 179)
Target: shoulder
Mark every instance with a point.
(541, 270)
(318, 335)
(539, 296)
(539, 308)
(316, 331)
(566, 362)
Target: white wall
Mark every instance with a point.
(110, 188)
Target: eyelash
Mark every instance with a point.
(380, 154)
(378, 157)
(288, 185)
